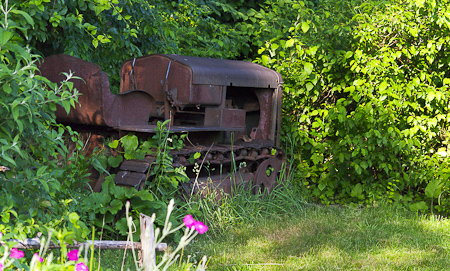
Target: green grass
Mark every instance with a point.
(314, 238)
(281, 231)
(331, 238)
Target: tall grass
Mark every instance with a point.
(222, 211)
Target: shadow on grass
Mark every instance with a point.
(333, 238)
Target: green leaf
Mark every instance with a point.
(115, 206)
(5, 36)
(265, 60)
(25, 15)
(341, 157)
(357, 190)
(7, 88)
(321, 186)
(305, 27)
(5, 217)
(364, 165)
(274, 46)
(74, 218)
(317, 158)
(418, 206)
(433, 189)
(114, 144)
(9, 159)
(383, 85)
(44, 184)
(100, 164)
(41, 170)
(130, 143)
(66, 105)
(289, 43)
(115, 161)
(308, 67)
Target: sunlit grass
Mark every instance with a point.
(281, 231)
(323, 238)
(332, 238)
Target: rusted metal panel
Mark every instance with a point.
(195, 79)
(224, 72)
(262, 132)
(225, 117)
(207, 94)
(129, 108)
(89, 110)
(179, 129)
(135, 165)
(127, 178)
(148, 73)
(97, 105)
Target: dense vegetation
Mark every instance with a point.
(365, 114)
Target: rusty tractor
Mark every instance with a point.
(230, 109)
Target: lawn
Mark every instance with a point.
(332, 238)
(324, 238)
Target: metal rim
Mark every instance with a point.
(266, 175)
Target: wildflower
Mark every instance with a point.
(73, 255)
(39, 258)
(200, 227)
(81, 267)
(1, 267)
(16, 254)
(189, 221)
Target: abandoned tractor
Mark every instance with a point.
(230, 109)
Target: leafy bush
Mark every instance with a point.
(41, 177)
(367, 108)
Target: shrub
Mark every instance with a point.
(366, 99)
(38, 179)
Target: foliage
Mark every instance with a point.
(105, 209)
(12, 258)
(74, 230)
(366, 99)
(41, 176)
(164, 177)
(110, 32)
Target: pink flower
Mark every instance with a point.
(189, 221)
(16, 254)
(39, 258)
(73, 255)
(200, 227)
(81, 267)
(1, 267)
